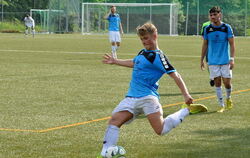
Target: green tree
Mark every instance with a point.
(5, 3)
(233, 13)
(19, 8)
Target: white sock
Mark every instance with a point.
(228, 92)
(114, 55)
(174, 120)
(116, 48)
(113, 48)
(33, 32)
(114, 51)
(219, 96)
(26, 32)
(110, 138)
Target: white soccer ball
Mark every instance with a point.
(115, 152)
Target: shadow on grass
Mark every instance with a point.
(213, 143)
(216, 141)
(142, 116)
(230, 142)
(205, 113)
(192, 93)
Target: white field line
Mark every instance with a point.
(44, 51)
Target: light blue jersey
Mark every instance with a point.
(218, 46)
(114, 22)
(149, 66)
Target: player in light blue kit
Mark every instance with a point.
(148, 67)
(115, 28)
(218, 36)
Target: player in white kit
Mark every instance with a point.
(29, 24)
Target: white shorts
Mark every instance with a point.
(136, 106)
(29, 24)
(114, 36)
(220, 71)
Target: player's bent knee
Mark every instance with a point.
(168, 125)
(115, 122)
(159, 132)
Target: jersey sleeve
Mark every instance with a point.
(202, 31)
(134, 59)
(205, 33)
(163, 64)
(230, 32)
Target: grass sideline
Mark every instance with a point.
(56, 80)
(15, 27)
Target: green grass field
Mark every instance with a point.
(52, 87)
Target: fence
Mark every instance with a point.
(236, 13)
(191, 15)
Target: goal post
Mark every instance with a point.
(41, 18)
(163, 15)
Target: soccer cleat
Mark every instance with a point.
(195, 108)
(229, 104)
(221, 110)
(211, 83)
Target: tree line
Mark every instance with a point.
(236, 12)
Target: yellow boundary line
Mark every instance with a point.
(101, 119)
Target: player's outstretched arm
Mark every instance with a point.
(108, 59)
(182, 86)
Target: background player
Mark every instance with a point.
(114, 27)
(220, 60)
(29, 25)
(204, 25)
(142, 97)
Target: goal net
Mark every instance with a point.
(163, 15)
(44, 19)
(62, 16)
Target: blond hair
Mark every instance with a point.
(147, 28)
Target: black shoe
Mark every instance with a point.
(211, 83)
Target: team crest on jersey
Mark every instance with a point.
(211, 29)
(150, 56)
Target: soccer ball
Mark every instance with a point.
(115, 152)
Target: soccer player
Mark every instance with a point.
(217, 37)
(204, 25)
(29, 24)
(114, 27)
(142, 97)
